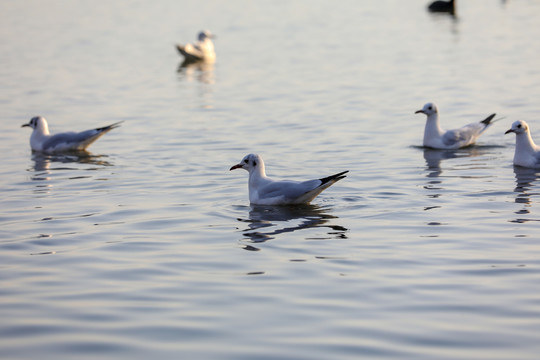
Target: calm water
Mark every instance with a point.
(147, 247)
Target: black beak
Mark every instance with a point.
(23, 125)
(508, 131)
(419, 111)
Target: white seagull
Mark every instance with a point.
(42, 140)
(265, 191)
(202, 50)
(437, 138)
(527, 153)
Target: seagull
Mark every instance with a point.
(265, 191)
(437, 138)
(42, 140)
(202, 50)
(442, 6)
(527, 153)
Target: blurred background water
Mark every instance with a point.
(147, 245)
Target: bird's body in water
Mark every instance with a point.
(265, 191)
(202, 50)
(437, 138)
(42, 140)
(527, 153)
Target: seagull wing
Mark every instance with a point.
(467, 134)
(76, 141)
(190, 52)
(291, 192)
(458, 137)
(463, 136)
(537, 158)
(323, 184)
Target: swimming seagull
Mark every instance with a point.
(527, 153)
(265, 191)
(437, 138)
(202, 50)
(42, 140)
(442, 6)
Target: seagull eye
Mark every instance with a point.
(519, 126)
(246, 161)
(429, 108)
(254, 163)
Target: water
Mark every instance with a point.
(148, 247)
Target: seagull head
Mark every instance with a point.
(205, 34)
(38, 122)
(518, 127)
(428, 109)
(250, 163)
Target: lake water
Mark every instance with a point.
(147, 247)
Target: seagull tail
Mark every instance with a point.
(333, 178)
(487, 121)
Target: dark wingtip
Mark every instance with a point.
(116, 124)
(335, 177)
(110, 127)
(487, 120)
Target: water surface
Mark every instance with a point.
(147, 246)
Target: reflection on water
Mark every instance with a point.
(264, 222)
(203, 74)
(434, 157)
(43, 168)
(525, 178)
(42, 162)
(199, 70)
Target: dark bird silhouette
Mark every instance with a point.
(440, 6)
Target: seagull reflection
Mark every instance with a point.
(42, 169)
(42, 161)
(200, 70)
(264, 222)
(525, 177)
(434, 157)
